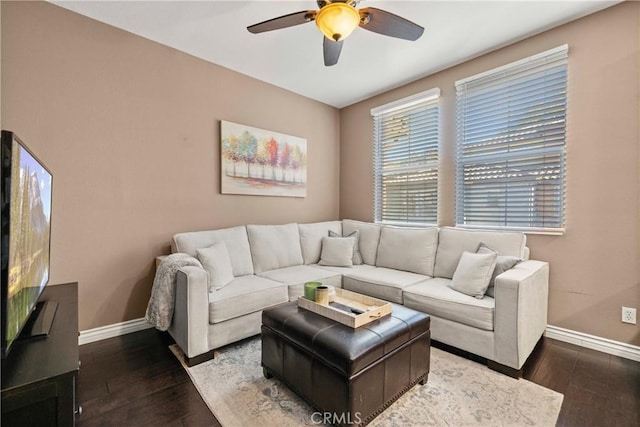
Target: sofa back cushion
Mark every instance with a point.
(274, 246)
(408, 249)
(369, 238)
(311, 238)
(234, 238)
(452, 242)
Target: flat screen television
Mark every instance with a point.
(26, 186)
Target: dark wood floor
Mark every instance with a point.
(136, 380)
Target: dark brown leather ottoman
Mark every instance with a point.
(350, 375)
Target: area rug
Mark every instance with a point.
(459, 392)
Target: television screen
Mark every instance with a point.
(26, 229)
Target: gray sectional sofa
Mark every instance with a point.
(269, 265)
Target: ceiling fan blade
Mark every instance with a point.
(285, 21)
(388, 24)
(332, 51)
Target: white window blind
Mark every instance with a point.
(406, 134)
(511, 129)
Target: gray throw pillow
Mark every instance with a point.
(337, 251)
(215, 260)
(473, 274)
(357, 258)
(503, 263)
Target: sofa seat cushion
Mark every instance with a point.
(378, 282)
(435, 297)
(245, 295)
(295, 277)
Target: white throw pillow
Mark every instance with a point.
(473, 274)
(503, 263)
(215, 260)
(337, 251)
(356, 258)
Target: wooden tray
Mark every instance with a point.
(373, 308)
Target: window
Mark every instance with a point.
(405, 135)
(511, 128)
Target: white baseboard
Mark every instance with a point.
(593, 342)
(115, 330)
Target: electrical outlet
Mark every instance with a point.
(628, 315)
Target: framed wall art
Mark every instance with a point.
(261, 162)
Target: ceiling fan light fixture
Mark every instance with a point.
(337, 20)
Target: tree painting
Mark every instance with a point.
(285, 160)
(230, 150)
(273, 156)
(262, 157)
(298, 159)
(248, 148)
(276, 164)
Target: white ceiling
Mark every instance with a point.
(291, 58)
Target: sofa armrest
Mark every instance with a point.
(189, 327)
(521, 301)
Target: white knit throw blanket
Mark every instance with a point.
(163, 294)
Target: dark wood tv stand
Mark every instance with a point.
(39, 375)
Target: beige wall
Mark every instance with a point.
(130, 129)
(594, 266)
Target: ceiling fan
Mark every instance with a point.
(338, 18)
